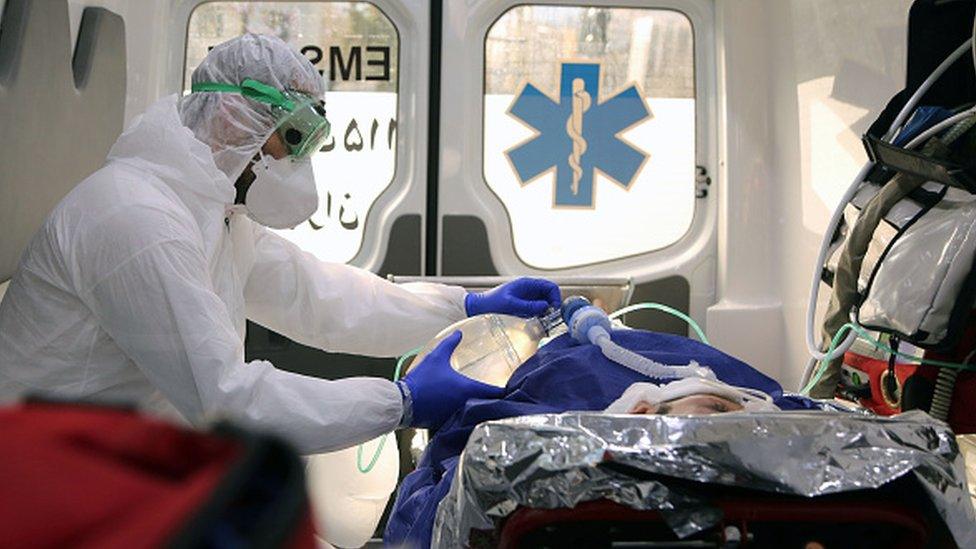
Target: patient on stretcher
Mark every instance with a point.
(566, 376)
(690, 397)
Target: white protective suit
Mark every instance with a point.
(138, 284)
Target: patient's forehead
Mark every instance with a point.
(697, 404)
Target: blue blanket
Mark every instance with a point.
(560, 377)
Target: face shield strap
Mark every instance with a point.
(301, 120)
(252, 89)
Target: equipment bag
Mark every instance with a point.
(922, 288)
(906, 266)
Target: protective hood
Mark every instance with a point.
(234, 126)
(200, 143)
(157, 142)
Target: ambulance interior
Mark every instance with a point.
(714, 158)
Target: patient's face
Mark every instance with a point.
(692, 405)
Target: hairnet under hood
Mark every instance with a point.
(233, 126)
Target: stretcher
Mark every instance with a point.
(862, 520)
(789, 479)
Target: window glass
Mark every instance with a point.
(355, 46)
(589, 130)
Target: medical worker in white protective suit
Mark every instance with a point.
(138, 284)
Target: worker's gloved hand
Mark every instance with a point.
(436, 390)
(523, 297)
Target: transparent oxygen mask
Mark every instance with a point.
(494, 345)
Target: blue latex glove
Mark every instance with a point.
(436, 390)
(523, 297)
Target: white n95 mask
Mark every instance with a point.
(283, 193)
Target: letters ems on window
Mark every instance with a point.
(356, 48)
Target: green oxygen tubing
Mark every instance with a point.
(663, 308)
(838, 341)
(859, 331)
(379, 449)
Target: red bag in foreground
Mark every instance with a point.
(81, 475)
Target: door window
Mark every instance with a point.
(356, 47)
(589, 130)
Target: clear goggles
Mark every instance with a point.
(301, 120)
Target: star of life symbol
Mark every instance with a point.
(578, 135)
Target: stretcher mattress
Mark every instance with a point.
(560, 460)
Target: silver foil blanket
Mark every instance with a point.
(558, 461)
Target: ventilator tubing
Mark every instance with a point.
(644, 365)
(589, 324)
